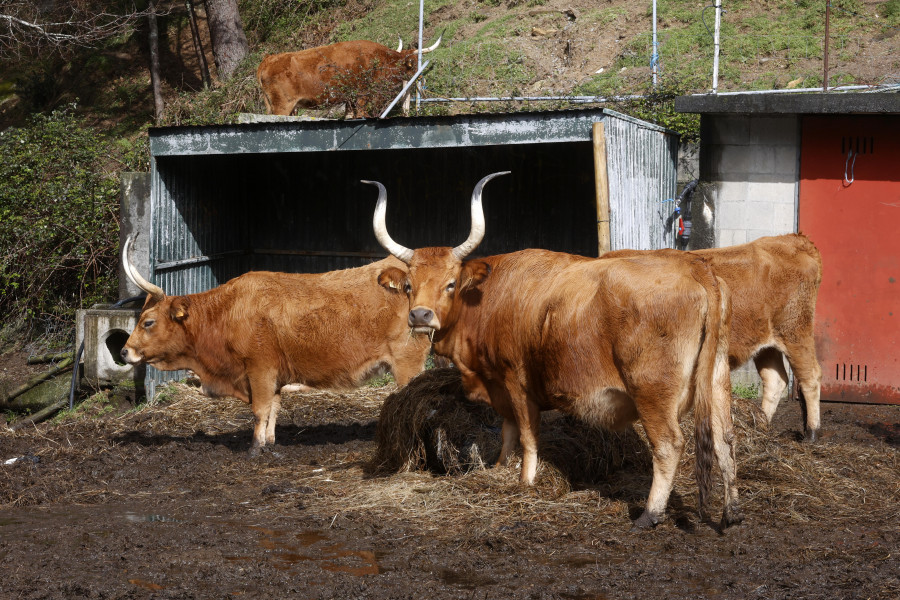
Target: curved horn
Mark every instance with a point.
(400, 45)
(477, 232)
(435, 45)
(401, 252)
(131, 272)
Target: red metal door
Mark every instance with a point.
(849, 206)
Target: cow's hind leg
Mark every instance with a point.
(803, 361)
(666, 443)
(509, 434)
(770, 364)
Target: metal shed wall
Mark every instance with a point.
(287, 196)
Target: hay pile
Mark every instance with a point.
(429, 424)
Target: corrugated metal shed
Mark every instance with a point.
(288, 197)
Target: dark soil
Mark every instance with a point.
(164, 502)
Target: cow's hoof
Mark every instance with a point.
(645, 521)
(732, 516)
(810, 435)
(255, 451)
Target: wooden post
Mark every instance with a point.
(601, 182)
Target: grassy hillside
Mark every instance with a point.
(491, 48)
(564, 47)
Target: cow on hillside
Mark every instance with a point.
(609, 340)
(358, 74)
(257, 332)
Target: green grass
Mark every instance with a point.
(93, 407)
(747, 391)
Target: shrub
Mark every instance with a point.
(58, 222)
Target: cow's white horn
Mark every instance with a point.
(378, 224)
(477, 232)
(131, 272)
(434, 46)
(400, 45)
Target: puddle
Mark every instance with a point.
(138, 518)
(147, 585)
(334, 557)
(467, 581)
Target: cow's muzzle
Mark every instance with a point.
(423, 320)
(130, 356)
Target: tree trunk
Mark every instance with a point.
(154, 63)
(229, 44)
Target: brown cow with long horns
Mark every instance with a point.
(255, 333)
(609, 340)
(352, 73)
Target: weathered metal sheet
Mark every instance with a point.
(373, 134)
(642, 176)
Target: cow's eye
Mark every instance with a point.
(407, 288)
(148, 323)
(451, 286)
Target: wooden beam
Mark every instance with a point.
(601, 182)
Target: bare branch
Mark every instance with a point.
(29, 26)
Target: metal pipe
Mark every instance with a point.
(715, 81)
(654, 58)
(574, 99)
(421, 26)
(404, 90)
(799, 90)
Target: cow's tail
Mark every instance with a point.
(712, 384)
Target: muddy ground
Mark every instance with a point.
(162, 501)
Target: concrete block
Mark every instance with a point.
(759, 216)
(787, 161)
(762, 159)
(724, 129)
(731, 191)
(731, 237)
(776, 192)
(783, 218)
(731, 215)
(104, 332)
(773, 131)
(755, 234)
(734, 160)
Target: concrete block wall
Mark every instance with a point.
(753, 163)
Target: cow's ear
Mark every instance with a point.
(392, 279)
(178, 311)
(473, 273)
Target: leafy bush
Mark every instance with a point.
(58, 222)
(657, 105)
